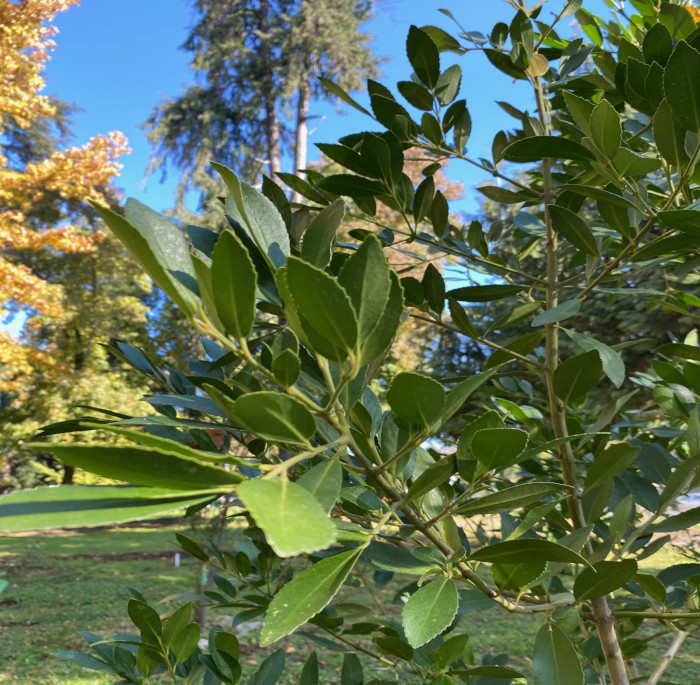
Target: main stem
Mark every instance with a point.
(602, 615)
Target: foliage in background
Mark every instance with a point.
(556, 487)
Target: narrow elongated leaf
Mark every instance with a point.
(415, 398)
(523, 551)
(555, 661)
(682, 521)
(429, 611)
(325, 305)
(574, 229)
(432, 477)
(484, 293)
(275, 417)
(143, 466)
(395, 559)
(615, 459)
(307, 594)
(351, 186)
(685, 220)
(292, 519)
(561, 312)
(323, 481)
(258, 217)
(538, 147)
(336, 90)
(496, 448)
(509, 499)
(78, 506)
(366, 278)
(461, 392)
(319, 236)
(577, 375)
(604, 578)
(682, 86)
(233, 281)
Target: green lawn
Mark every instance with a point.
(61, 584)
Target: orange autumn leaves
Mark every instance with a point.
(78, 173)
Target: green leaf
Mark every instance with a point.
(323, 481)
(496, 448)
(522, 345)
(679, 480)
(503, 195)
(84, 661)
(461, 319)
(336, 90)
(605, 577)
(317, 244)
(233, 281)
(366, 278)
(416, 94)
(484, 293)
(78, 506)
(437, 474)
(651, 585)
(396, 559)
(326, 306)
(503, 63)
(509, 499)
(555, 661)
(574, 229)
(594, 193)
(157, 252)
(351, 672)
(611, 360)
(562, 311)
(142, 466)
(657, 45)
(423, 55)
(682, 521)
(429, 611)
(306, 594)
(459, 394)
(275, 417)
(309, 674)
(290, 516)
(685, 220)
(670, 136)
(389, 322)
(270, 670)
(462, 130)
(434, 289)
(679, 350)
(447, 87)
(350, 185)
(258, 217)
(415, 398)
(523, 551)
(628, 163)
(682, 86)
(286, 368)
(605, 126)
(577, 375)
(535, 148)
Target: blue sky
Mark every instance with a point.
(116, 59)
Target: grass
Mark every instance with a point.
(64, 583)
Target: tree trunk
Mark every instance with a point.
(302, 130)
(272, 124)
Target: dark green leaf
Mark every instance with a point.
(447, 87)
(290, 516)
(536, 148)
(628, 163)
(417, 95)
(503, 195)
(323, 481)
(275, 417)
(509, 499)
(233, 281)
(496, 448)
(523, 551)
(606, 129)
(429, 611)
(657, 45)
(577, 375)
(415, 398)
(350, 185)
(555, 660)
(336, 90)
(270, 670)
(434, 289)
(605, 577)
(423, 56)
(611, 360)
(561, 312)
(484, 293)
(306, 594)
(286, 368)
(685, 220)
(679, 350)
(461, 319)
(670, 136)
(574, 229)
(503, 63)
(317, 244)
(437, 474)
(309, 674)
(682, 86)
(682, 521)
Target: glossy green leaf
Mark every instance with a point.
(496, 448)
(415, 398)
(509, 499)
(536, 148)
(574, 229)
(434, 289)
(657, 45)
(234, 281)
(670, 136)
(577, 375)
(292, 519)
(429, 611)
(350, 185)
(78, 506)
(306, 594)
(366, 278)
(460, 318)
(503, 195)
(437, 474)
(651, 585)
(323, 481)
(326, 306)
(683, 521)
(275, 417)
(523, 551)
(628, 163)
(555, 661)
(595, 193)
(318, 239)
(605, 126)
(258, 217)
(682, 86)
(685, 220)
(416, 94)
(286, 368)
(143, 466)
(605, 577)
(484, 293)
(561, 312)
(423, 56)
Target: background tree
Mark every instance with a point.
(257, 65)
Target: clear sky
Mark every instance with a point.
(116, 59)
